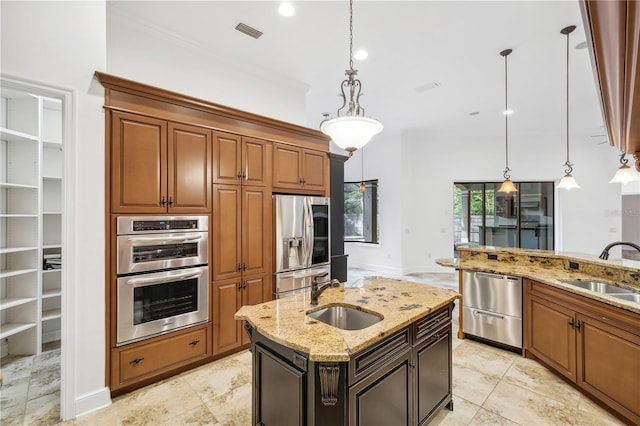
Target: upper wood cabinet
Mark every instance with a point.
(159, 167)
(300, 169)
(241, 160)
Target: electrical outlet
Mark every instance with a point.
(492, 256)
(574, 265)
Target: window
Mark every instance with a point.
(524, 219)
(361, 212)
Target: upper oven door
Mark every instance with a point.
(150, 252)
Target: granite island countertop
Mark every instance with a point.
(549, 267)
(400, 302)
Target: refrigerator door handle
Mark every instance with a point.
(308, 231)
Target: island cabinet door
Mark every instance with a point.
(278, 390)
(385, 397)
(433, 375)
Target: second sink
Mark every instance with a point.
(596, 286)
(345, 317)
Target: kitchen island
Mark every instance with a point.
(395, 371)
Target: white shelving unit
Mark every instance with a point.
(30, 220)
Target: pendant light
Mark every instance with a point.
(362, 186)
(353, 130)
(625, 174)
(568, 182)
(507, 186)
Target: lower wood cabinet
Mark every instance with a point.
(595, 345)
(228, 297)
(405, 379)
(137, 362)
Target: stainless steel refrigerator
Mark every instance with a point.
(302, 242)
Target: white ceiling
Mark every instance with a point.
(410, 44)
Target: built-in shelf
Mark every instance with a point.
(51, 213)
(51, 314)
(52, 246)
(6, 250)
(15, 136)
(10, 185)
(55, 292)
(9, 329)
(6, 273)
(10, 302)
(17, 215)
(50, 144)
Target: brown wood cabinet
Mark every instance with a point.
(241, 160)
(241, 269)
(300, 169)
(158, 166)
(228, 297)
(595, 345)
(145, 361)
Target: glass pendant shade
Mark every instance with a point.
(362, 187)
(568, 183)
(625, 174)
(351, 132)
(507, 187)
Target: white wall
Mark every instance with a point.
(62, 44)
(169, 62)
(431, 162)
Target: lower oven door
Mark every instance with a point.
(159, 302)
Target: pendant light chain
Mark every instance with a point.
(569, 166)
(351, 34)
(506, 174)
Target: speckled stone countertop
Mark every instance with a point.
(549, 267)
(399, 302)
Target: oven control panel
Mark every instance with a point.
(167, 225)
(128, 225)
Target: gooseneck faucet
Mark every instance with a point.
(605, 253)
(317, 288)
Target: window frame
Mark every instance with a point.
(370, 212)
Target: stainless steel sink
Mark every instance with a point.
(597, 286)
(633, 297)
(345, 317)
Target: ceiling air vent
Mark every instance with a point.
(250, 31)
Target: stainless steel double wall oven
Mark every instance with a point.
(163, 279)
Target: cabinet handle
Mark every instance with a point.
(195, 342)
(239, 286)
(239, 267)
(170, 201)
(136, 361)
(244, 266)
(244, 285)
(239, 175)
(301, 181)
(578, 325)
(163, 201)
(244, 175)
(572, 324)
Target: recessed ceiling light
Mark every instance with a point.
(361, 55)
(286, 9)
(508, 112)
(428, 86)
(474, 113)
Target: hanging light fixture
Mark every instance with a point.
(353, 130)
(568, 182)
(625, 174)
(507, 186)
(362, 185)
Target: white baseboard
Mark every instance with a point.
(92, 401)
(377, 268)
(428, 269)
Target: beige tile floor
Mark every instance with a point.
(491, 386)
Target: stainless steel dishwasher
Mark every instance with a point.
(492, 307)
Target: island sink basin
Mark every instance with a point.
(596, 286)
(345, 317)
(632, 297)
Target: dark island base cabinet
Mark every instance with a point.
(403, 380)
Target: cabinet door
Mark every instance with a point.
(256, 161)
(315, 170)
(433, 362)
(252, 294)
(189, 169)
(138, 164)
(385, 397)
(551, 337)
(226, 158)
(279, 395)
(256, 230)
(287, 162)
(226, 244)
(609, 365)
(227, 298)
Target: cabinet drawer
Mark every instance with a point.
(163, 355)
(364, 363)
(428, 325)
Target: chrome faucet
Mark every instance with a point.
(317, 288)
(605, 253)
